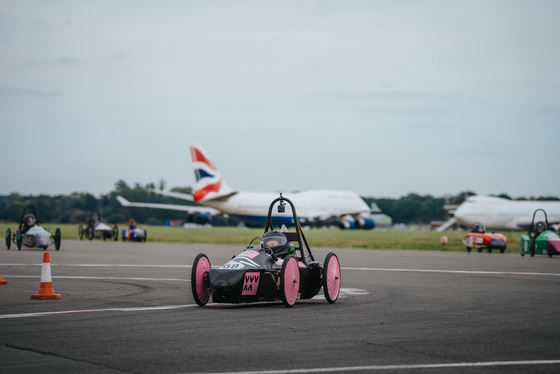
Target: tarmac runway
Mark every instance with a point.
(127, 307)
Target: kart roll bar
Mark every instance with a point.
(299, 232)
(91, 216)
(533, 221)
(23, 215)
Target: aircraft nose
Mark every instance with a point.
(461, 214)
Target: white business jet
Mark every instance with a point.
(346, 208)
(497, 213)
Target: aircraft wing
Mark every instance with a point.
(177, 195)
(184, 208)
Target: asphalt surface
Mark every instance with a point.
(131, 310)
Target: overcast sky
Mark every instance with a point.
(380, 97)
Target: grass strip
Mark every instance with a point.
(317, 238)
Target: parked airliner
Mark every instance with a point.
(497, 213)
(346, 208)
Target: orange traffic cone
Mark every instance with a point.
(46, 291)
(3, 281)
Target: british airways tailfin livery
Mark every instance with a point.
(315, 207)
(209, 182)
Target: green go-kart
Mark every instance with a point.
(539, 239)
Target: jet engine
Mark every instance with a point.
(347, 222)
(365, 223)
(199, 218)
(350, 223)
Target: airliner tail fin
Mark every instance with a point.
(209, 181)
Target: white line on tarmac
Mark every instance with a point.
(453, 271)
(344, 292)
(42, 314)
(107, 265)
(83, 277)
(343, 268)
(400, 367)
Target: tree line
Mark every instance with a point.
(76, 207)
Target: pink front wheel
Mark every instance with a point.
(199, 273)
(331, 278)
(289, 281)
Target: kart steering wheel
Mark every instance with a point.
(269, 252)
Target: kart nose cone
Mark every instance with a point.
(221, 291)
(497, 244)
(220, 284)
(226, 285)
(553, 246)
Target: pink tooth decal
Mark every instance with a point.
(251, 283)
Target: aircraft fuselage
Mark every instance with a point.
(252, 207)
(501, 214)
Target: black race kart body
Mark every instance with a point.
(35, 236)
(254, 276)
(257, 274)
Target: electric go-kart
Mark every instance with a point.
(31, 234)
(478, 238)
(97, 229)
(539, 239)
(277, 270)
(133, 233)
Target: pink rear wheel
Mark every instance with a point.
(289, 281)
(331, 278)
(199, 273)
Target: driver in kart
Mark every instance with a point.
(29, 221)
(131, 226)
(479, 228)
(539, 228)
(277, 242)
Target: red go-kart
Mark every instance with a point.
(479, 239)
